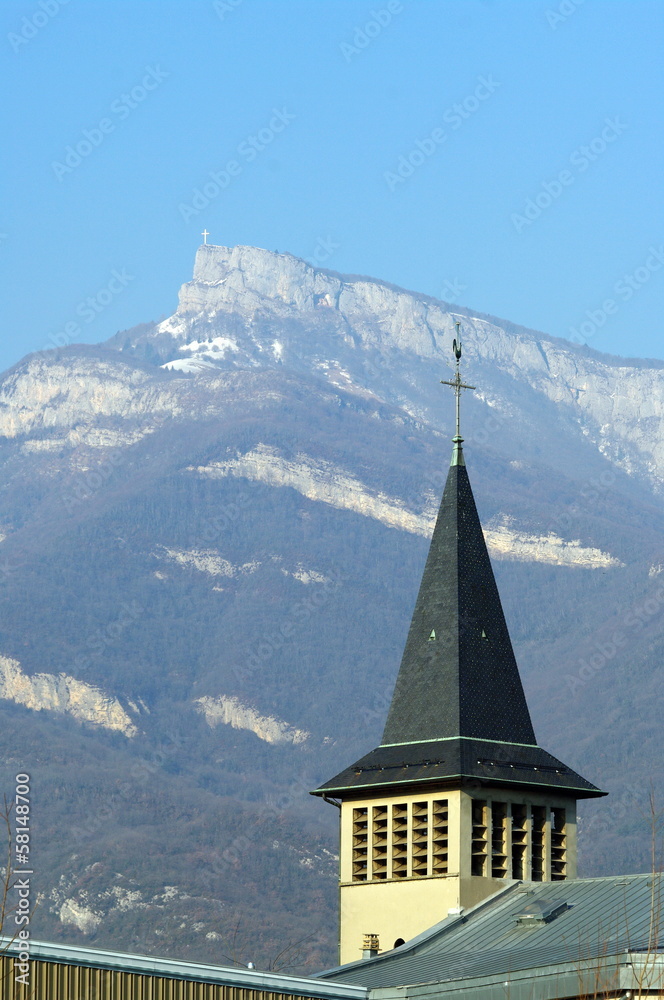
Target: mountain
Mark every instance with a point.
(213, 530)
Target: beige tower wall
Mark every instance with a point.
(396, 903)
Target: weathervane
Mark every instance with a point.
(457, 385)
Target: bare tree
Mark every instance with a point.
(650, 965)
(8, 877)
(291, 958)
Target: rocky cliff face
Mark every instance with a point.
(370, 337)
(63, 695)
(250, 307)
(231, 712)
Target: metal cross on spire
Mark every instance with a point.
(457, 385)
(205, 235)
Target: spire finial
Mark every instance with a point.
(457, 385)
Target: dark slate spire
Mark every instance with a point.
(458, 711)
(458, 674)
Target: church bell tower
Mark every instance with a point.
(458, 798)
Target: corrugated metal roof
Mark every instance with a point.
(605, 916)
(250, 979)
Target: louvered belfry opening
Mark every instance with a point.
(519, 840)
(538, 843)
(439, 845)
(479, 841)
(509, 840)
(407, 840)
(379, 840)
(558, 845)
(400, 840)
(411, 840)
(360, 844)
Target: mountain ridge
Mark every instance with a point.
(242, 282)
(243, 510)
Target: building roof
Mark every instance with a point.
(167, 968)
(455, 760)
(458, 674)
(458, 708)
(526, 927)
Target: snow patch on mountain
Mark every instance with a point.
(306, 576)
(188, 365)
(217, 348)
(175, 325)
(211, 561)
(63, 694)
(207, 561)
(225, 710)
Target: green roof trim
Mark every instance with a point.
(504, 743)
(419, 781)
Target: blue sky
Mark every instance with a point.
(503, 155)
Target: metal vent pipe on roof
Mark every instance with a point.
(370, 946)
